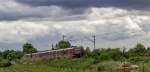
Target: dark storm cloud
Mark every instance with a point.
(129, 4)
(75, 7)
(15, 16)
(11, 11)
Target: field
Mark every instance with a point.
(68, 65)
(57, 65)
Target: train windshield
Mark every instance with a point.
(77, 49)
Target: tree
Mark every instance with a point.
(116, 54)
(29, 48)
(63, 44)
(56, 46)
(87, 52)
(19, 54)
(1, 54)
(10, 55)
(5, 53)
(138, 50)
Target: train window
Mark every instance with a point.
(50, 53)
(54, 53)
(63, 51)
(27, 56)
(66, 52)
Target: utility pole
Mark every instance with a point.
(124, 51)
(52, 47)
(94, 41)
(124, 61)
(63, 37)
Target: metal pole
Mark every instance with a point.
(52, 47)
(94, 41)
(63, 37)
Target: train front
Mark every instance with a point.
(78, 51)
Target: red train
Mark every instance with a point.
(59, 53)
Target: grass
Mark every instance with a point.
(33, 68)
(68, 65)
(53, 65)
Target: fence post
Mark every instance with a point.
(111, 68)
(143, 69)
(124, 67)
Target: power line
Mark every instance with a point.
(93, 41)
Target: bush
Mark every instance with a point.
(139, 59)
(4, 63)
(96, 60)
(100, 68)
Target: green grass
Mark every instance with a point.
(67, 65)
(33, 68)
(53, 65)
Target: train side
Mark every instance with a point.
(67, 52)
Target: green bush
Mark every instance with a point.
(4, 63)
(100, 68)
(96, 60)
(139, 59)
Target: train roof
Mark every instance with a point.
(50, 51)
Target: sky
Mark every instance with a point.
(115, 23)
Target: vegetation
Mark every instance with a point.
(87, 52)
(11, 55)
(4, 63)
(99, 60)
(29, 48)
(53, 65)
(69, 65)
(63, 44)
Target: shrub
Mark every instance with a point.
(139, 59)
(4, 63)
(96, 60)
(100, 68)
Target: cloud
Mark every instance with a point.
(129, 4)
(108, 24)
(44, 24)
(20, 31)
(11, 11)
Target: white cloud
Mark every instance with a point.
(20, 31)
